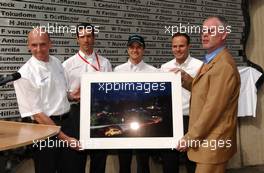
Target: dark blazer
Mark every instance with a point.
(213, 110)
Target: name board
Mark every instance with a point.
(155, 20)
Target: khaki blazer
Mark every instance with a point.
(213, 111)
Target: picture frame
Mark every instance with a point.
(131, 110)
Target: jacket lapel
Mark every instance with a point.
(206, 67)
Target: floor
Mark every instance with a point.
(251, 169)
(27, 167)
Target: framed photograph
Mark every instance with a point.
(131, 110)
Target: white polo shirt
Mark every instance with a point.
(140, 67)
(42, 88)
(75, 66)
(191, 66)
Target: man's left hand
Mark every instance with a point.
(182, 145)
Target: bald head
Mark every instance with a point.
(37, 32)
(39, 44)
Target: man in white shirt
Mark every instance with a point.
(182, 60)
(135, 63)
(86, 60)
(42, 95)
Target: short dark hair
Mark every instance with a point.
(84, 26)
(178, 34)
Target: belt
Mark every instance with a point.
(56, 118)
(75, 103)
(59, 117)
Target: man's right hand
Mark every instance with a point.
(71, 142)
(74, 95)
(186, 79)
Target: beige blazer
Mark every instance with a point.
(213, 111)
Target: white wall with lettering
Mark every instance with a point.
(117, 19)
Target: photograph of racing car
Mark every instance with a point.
(131, 113)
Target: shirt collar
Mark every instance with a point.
(185, 63)
(209, 57)
(42, 63)
(87, 57)
(139, 65)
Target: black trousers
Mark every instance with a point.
(170, 161)
(171, 158)
(190, 165)
(46, 153)
(2, 162)
(125, 159)
(46, 157)
(75, 161)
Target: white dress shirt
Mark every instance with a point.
(140, 67)
(75, 66)
(191, 66)
(247, 101)
(42, 88)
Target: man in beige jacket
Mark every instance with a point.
(211, 137)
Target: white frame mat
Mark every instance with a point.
(89, 142)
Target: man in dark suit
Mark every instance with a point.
(211, 137)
